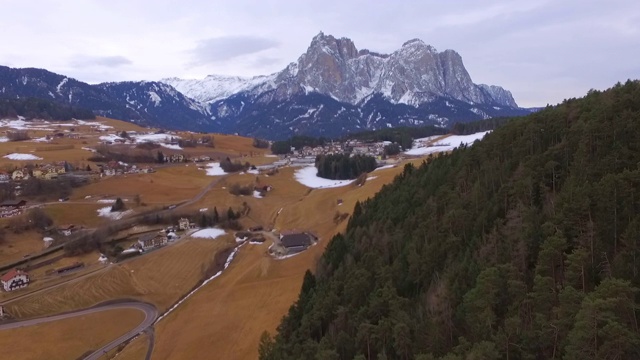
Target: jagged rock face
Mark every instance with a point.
(416, 73)
(500, 95)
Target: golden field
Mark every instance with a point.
(228, 315)
(160, 278)
(68, 338)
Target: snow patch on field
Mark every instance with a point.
(41, 139)
(18, 156)
(384, 167)
(256, 194)
(308, 177)
(3, 139)
(214, 169)
(210, 233)
(106, 201)
(171, 146)
(115, 215)
(447, 144)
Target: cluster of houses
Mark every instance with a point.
(39, 171)
(350, 146)
(115, 168)
(157, 240)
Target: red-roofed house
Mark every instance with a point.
(14, 279)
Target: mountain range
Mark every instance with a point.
(332, 88)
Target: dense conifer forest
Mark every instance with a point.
(32, 108)
(525, 245)
(343, 166)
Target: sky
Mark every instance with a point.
(543, 51)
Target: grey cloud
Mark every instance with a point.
(229, 47)
(104, 61)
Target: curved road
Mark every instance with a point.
(150, 315)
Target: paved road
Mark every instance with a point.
(149, 311)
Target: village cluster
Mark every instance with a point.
(355, 147)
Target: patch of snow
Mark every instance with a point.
(110, 137)
(308, 177)
(3, 139)
(371, 178)
(271, 155)
(106, 201)
(447, 144)
(214, 169)
(254, 172)
(204, 209)
(115, 215)
(17, 156)
(171, 146)
(41, 139)
(210, 233)
(256, 194)
(59, 87)
(89, 149)
(155, 98)
(385, 167)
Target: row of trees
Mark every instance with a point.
(260, 143)
(233, 166)
(524, 246)
(296, 142)
(343, 166)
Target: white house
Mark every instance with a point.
(183, 224)
(14, 279)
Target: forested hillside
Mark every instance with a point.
(32, 108)
(524, 246)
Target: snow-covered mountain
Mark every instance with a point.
(216, 87)
(414, 74)
(332, 88)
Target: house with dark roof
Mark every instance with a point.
(14, 279)
(296, 242)
(15, 204)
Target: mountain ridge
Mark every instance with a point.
(332, 88)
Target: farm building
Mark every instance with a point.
(149, 241)
(14, 279)
(296, 242)
(13, 204)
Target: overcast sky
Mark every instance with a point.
(542, 50)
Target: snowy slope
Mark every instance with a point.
(216, 87)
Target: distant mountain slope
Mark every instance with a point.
(522, 246)
(145, 103)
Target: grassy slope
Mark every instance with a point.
(69, 338)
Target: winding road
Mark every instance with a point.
(150, 315)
